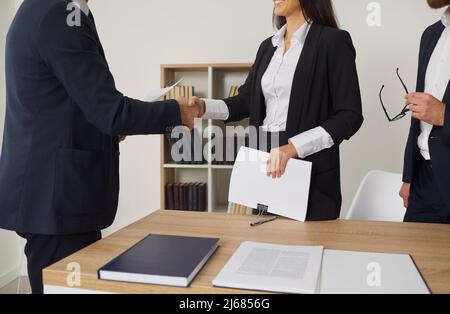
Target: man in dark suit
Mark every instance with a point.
(59, 168)
(426, 175)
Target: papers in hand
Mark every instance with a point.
(157, 94)
(274, 268)
(286, 196)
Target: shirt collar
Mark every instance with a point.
(299, 36)
(82, 4)
(446, 18)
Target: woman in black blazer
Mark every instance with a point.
(304, 87)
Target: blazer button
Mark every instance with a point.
(118, 154)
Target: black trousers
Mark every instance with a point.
(44, 250)
(425, 202)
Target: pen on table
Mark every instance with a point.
(261, 222)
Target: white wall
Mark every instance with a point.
(9, 243)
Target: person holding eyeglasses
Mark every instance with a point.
(426, 174)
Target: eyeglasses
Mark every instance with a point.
(405, 109)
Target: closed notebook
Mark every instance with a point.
(161, 260)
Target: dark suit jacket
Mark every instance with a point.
(59, 168)
(325, 93)
(439, 141)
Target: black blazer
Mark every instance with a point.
(59, 168)
(439, 141)
(325, 93)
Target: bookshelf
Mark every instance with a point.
(210, 81)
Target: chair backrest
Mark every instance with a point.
(377, 198)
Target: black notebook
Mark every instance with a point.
(161, 260)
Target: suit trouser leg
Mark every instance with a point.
(44, 250)
(426, 204)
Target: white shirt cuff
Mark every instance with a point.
(311, 142)
(216, 110)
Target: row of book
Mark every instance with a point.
(193, 155)
(234, 91)
(186, 196)
(188, 92)
(225, 153)
(180, 91)
(236, 209)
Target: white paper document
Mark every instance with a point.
(286, 196)
(273, 268)
(158, 93)
(345, 272)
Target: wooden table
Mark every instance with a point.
(429, 245)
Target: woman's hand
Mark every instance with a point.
(404, 193)
(278, 159)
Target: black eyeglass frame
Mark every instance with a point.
(405, 109)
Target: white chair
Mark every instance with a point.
(377, 198)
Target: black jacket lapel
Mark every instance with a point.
(302, 78)
(259, 97)
(426, 56)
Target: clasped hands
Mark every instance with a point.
(190, 110)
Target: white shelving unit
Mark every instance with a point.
(210, 81)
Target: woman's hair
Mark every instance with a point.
(318, 11)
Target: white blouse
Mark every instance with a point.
(276, 85)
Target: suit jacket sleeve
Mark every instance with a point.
(73, 55)
(344, 89)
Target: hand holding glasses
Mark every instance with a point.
(404, 111)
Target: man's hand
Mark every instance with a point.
(426, 108)
(200, 104)
(188, 113)
(404, 193)
(278, 159)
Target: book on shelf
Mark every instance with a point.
(227, 150)
(234, 91)
(237, 209)
(180, 91)
(194, 156)
(186, 196)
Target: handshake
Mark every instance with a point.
(191, 110)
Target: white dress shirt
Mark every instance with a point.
(276, 85)
(436, 81)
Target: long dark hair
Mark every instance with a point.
(318, 11)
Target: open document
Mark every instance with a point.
(286, 196)
(274, 268)
(159, 93)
